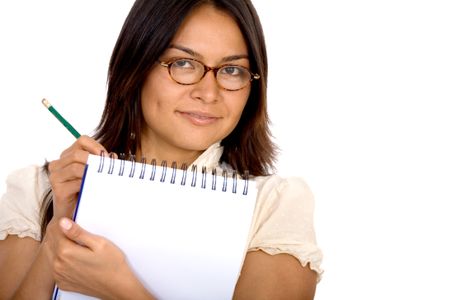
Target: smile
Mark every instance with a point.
(199, 118)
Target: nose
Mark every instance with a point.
(207, 89)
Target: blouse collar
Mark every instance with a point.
(210, 157)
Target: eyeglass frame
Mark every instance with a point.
(206, 69)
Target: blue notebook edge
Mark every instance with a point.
(56, 293)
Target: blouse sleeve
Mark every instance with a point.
(20, 204)
(283, 221)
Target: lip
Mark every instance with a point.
(198, 117)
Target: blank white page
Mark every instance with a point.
(183, 241)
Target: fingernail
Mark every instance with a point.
(65, 223)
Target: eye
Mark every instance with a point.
(232, 71)
(183, 64)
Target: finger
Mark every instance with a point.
(81, 149)
(66, 193)
(74, 232)
(70, 172)
(77, 156)
(77, 153)
(88, 144)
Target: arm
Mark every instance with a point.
(28, 266)
(284, 228)
(80, 261)
(38, 282)
(16, 257)
(280, 276)
(26, 270)
(98, 268)
(92, 265)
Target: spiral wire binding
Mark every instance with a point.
(214, 179)
(102, 162)
(246, 178)
(164, 167)
(174, 172)
(184, 167)
(234, 181)
(111, 163)
(225, 177)
(164, 171)
(144, 163)
(152, 177)
(122, 167)
(203, 177)
(133, 165)
(194, 177)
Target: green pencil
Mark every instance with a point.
(60, 118)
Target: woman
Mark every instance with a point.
(187, 83)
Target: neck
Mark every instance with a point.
(167, 153)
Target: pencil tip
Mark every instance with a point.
(46, 103)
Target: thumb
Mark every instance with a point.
(76, 233)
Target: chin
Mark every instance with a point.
(197, 145)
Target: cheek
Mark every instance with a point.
(236, 107)
(155, 94)
(237, 104)
(149, 99)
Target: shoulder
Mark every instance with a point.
(276, 181)
(28, 181)
(283, 220)
(20, 204)
(284, 201)
(286, 191)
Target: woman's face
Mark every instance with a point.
(181, 121)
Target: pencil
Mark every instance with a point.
(60, 118)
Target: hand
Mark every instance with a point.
(89, 264)
(66, 174)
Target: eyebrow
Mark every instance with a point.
(199, 56)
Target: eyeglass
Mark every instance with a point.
(189, 71)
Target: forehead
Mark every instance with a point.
(212, 33)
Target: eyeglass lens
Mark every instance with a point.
(230, 77)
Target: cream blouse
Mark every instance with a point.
(282, 220)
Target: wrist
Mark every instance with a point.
(128, 286)
(64, 208)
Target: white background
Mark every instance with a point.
(358, 96)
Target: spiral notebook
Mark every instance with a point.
(184, 231)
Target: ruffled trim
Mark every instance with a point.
(20, 233)
(313, 257)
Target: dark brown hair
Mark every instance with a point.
(146, 34)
